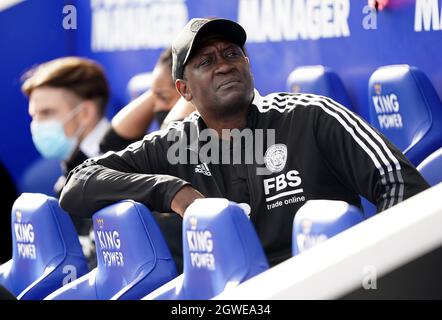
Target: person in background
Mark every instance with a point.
(8, 195)
(162, 103)
(67, 103)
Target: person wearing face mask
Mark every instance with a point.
(67, 103)
(162, 103)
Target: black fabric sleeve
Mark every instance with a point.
(137, 173)
(112, 141)
(362, 158)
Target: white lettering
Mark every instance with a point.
(268, 184)
(26, 251)
(71, 272)
(109, 239)
(202, 260)
(70, 20)
(24, 232)
(370, 20)
(427, 14)
(200, 240)
(387, 121)
(200, 247)
(387, 107)
(294, 179)
(109, 243)
(279, 182)
(113, 258)
(369, 281)
(134, 25)
(289, 20)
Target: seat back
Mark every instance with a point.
(139, 84)
(221, 249)
(431, 167)
(319, 220)
(132, 256)
(40, 176)
(405, 107)
(318, 80)
(46, 250)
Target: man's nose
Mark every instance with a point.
(223, 65)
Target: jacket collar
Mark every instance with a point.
(251, 114)
(251, 121)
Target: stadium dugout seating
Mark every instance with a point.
(396, 254)
(221, 250)
(318, 80)
(405, 107)
(46, 250)
(133, 257)
(40, 176)
(324, 81)
(431, 167)
(319, 220)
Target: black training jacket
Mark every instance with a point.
(321, 151)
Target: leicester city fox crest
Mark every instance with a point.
(275, 157)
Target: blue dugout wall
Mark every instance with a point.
(126, 37)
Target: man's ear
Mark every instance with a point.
(88, 112)
(183, 89)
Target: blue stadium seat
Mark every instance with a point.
(431, 167)
(369, 208)
(46, 250)
(319, 220)
(40, 176)
(324, 81)
(139, 84)
(133, 257)
(220, 249)
(318, 80)
(405, 107)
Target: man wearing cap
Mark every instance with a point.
(313, 148)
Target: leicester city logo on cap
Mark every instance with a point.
(275, 157)
(197, 24)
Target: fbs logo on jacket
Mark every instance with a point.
(284, 185)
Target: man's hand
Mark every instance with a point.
(183, 198)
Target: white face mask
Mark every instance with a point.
(51, 141)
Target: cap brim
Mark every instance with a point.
(227, 28)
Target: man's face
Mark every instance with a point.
(164, 89)
(218, 77)
(48, 103)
